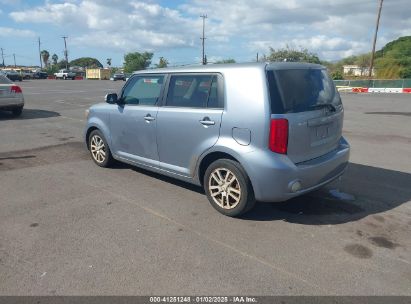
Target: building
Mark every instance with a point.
(98, 74)
(356, 70)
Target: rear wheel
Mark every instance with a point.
(99, 150)
(228, 188)
(64, 77)
(17, 111)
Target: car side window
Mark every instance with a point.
(192, 91)
(143, 90)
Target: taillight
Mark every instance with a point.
(16, 89)
(278, 141)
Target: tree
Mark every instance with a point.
(230, 60)
(61, 64)
(55, 58)
(337, 75)
(294, 55)
(45, 55)
(363, 61)
(86, 62)
(137, 61)
(108, 62)
(162, 63)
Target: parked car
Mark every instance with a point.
(40, 75)
(11, 96)
(13, 75)
(245, 132)
(119, 76)
(65, 74)
(26, 74)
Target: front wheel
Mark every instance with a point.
(99, 149)
(228, 188)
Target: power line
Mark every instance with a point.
(203, 38)
(375, 39)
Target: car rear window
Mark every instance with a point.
(300, 90)
(4, 80)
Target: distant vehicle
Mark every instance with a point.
(11, 96)
(26, 74)
(65, 74)
(13, 75)
(40, 75)
(119, 76)
(245, 132)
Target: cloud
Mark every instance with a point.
(234, 28)
(13, 32)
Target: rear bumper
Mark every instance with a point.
(11, 103)
(273, 182)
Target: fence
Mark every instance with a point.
(375, 83)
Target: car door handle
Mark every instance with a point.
(149, 118)
(207, 122)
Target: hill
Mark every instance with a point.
(393, 61)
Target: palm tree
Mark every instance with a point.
(45, 55)
(54, 58)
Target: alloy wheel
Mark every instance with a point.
(98, 149)
(224, 188)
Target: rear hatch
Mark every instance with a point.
(306, 96)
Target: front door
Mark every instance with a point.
(189, 122)
(134, 123)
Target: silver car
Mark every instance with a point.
(244, 132)
(11, 96)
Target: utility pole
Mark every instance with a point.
(257, 57)
(41, 63)
(203, 38)
(375, 39)
(65, 51)
(2, 56)
(14, 56)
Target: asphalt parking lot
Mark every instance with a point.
(68, 227)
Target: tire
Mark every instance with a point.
(236, 196)
(17, 111)
(64, 77)
(101, 156)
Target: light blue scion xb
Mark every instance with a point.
(245, 132)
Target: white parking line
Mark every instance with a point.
(72, 104)
(71, 118)
(58, 92)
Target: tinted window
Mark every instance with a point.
(300, 90)
(143, 90)
(4, 80)
(193, 91)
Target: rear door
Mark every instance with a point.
(189, 122)
(309, 100)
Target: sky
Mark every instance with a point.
(237, 29)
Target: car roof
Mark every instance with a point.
(231, 66)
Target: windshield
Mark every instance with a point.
(300, 90)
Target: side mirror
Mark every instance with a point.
(111, 98)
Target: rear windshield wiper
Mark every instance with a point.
(330, 106)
